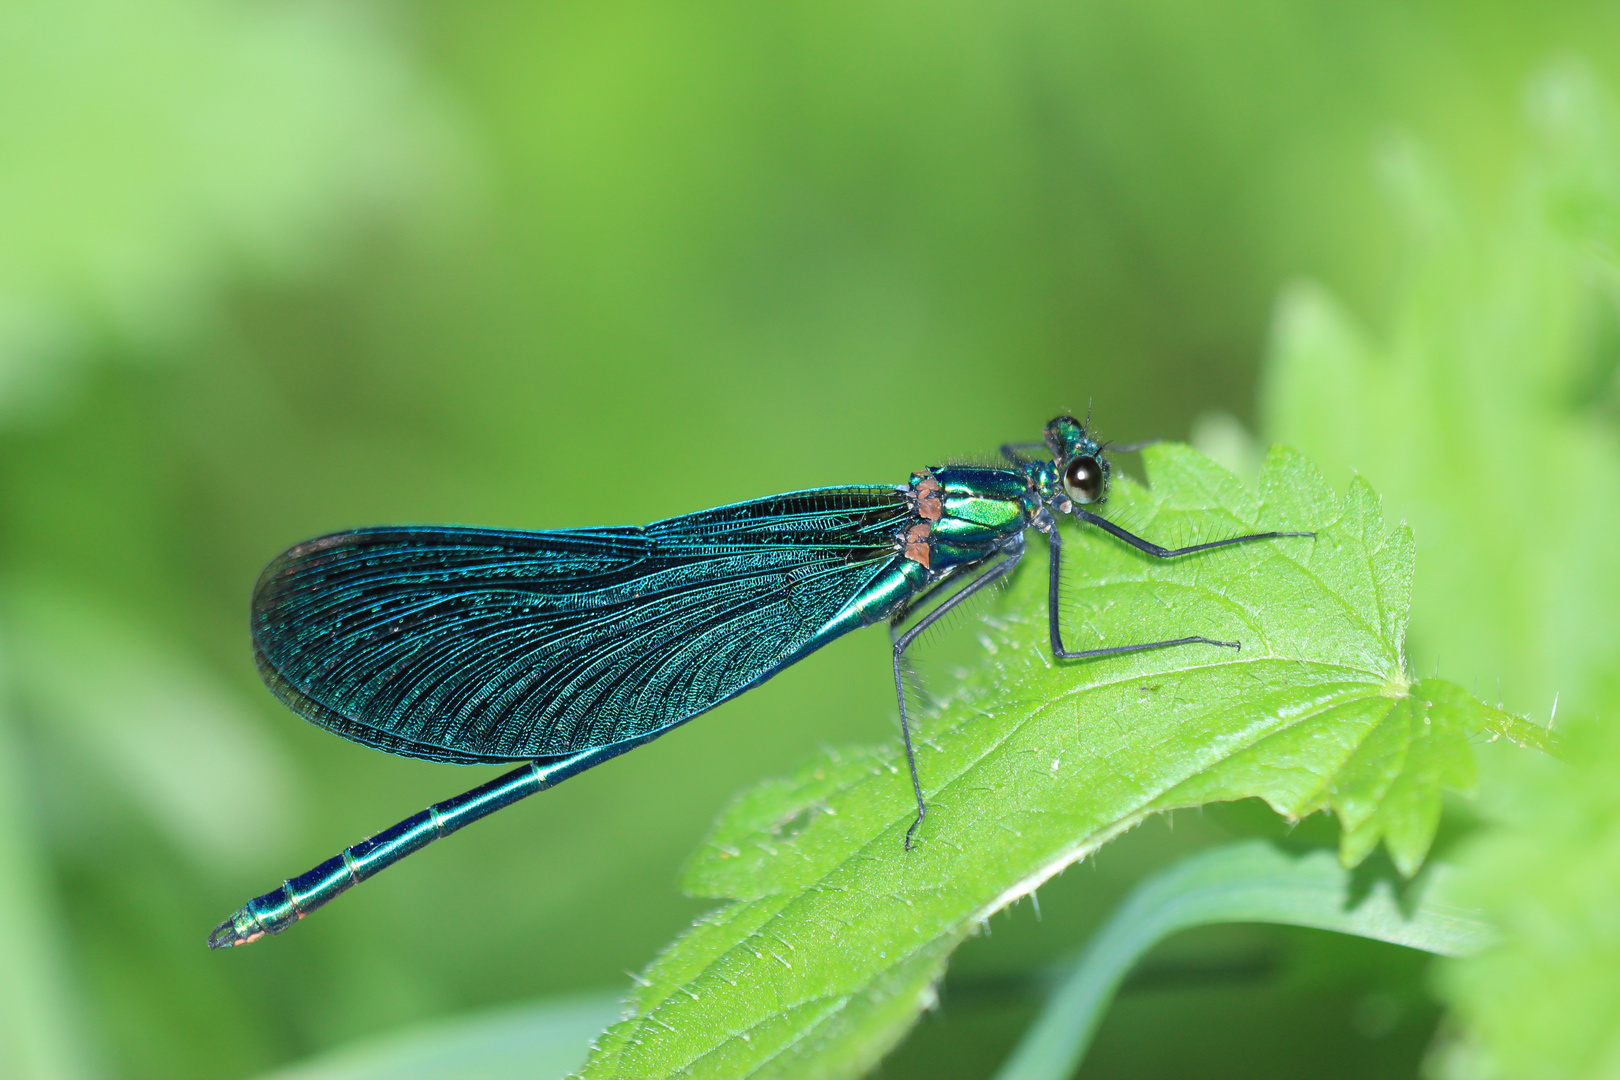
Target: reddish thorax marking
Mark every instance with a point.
(917, 549)
(926, 502)
(929, 506)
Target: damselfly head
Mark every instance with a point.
(1079, 459)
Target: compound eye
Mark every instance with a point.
(1083, 480)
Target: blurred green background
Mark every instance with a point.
(270, 269)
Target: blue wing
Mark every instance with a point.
(469, 645)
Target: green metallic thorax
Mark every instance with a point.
(982, 509)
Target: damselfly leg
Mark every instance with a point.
(1130, 447)
(996, 572)
(1054, 579)
(1014, 451)
(1055, 547)
(1160, 552)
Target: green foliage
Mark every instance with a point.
(835, 936)
(1545, 1004)
(41, 1023)
(537, 1041)
(1249, 882)
(1488, 415)
(155, 153)
(160, 733)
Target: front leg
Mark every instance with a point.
(1014, 452)
(1055, 550)
(1163, 552)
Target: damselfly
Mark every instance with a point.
(564, 649)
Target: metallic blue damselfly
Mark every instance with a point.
(564, 649)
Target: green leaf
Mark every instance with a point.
(1250, 882)
(835, 935)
